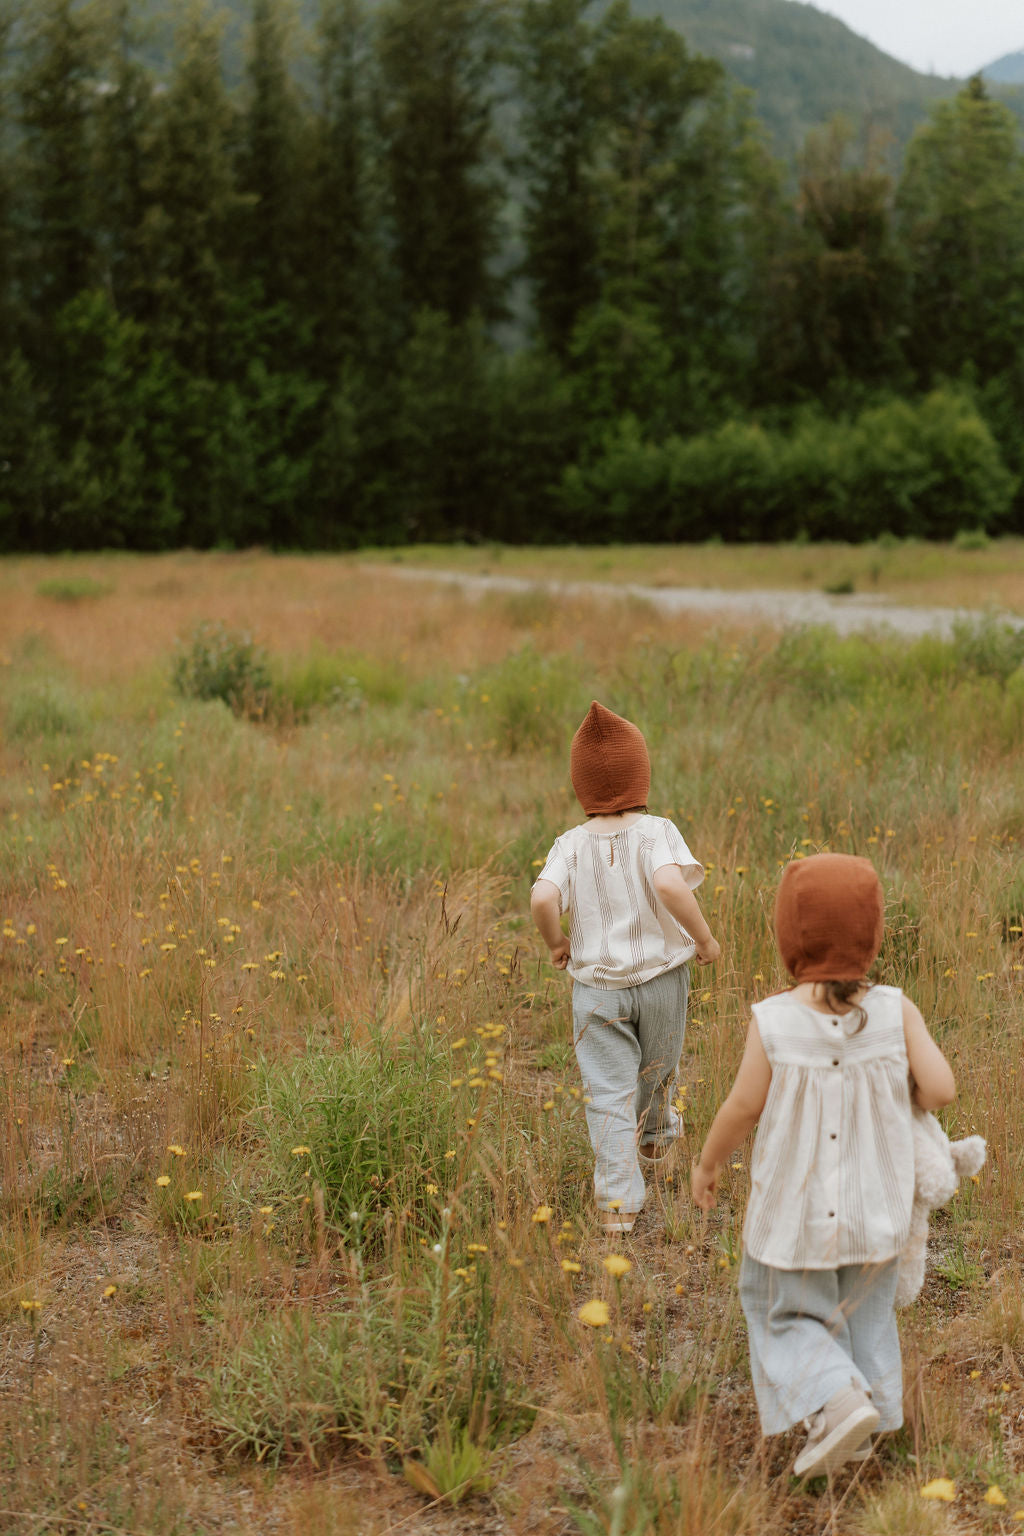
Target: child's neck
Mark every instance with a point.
(812, 993)
(614, 823)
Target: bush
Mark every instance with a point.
(988, 647)
(219, 663)
(906, 468)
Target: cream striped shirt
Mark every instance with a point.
(832, 1179)
(620, 933)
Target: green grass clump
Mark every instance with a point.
(73, 589)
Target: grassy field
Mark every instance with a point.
(294, 1182)
(973, 574)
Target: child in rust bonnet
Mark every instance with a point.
(626, 880)
(828, 1076)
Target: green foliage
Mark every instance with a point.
(528, 701)
(371, 1163)
(43, 710)
(902, 468)
(348, 681)
(73, 589)
(220, 663)
(989, 646)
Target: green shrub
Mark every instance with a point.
(41, 710)
(971, 538)
(220, 663)
(989, 646)
(905, 468)
(346, 680)
(528, 701)
(72, 589)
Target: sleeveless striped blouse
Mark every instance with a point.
(832, 1177)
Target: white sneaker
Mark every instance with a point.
(836, 1431)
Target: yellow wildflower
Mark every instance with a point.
(940, 1488)
(164, 1180)
(542, 1214)
(617, 1265)
(594, 1313)
(995, 1495)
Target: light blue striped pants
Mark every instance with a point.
(628, 1043)
(813, 1331)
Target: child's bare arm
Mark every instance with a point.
(546, 906)
(934, 1084)
(682, 903)
(735, 1120)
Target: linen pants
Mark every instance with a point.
(812, 1331)
(628, 1042)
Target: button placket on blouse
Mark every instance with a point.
(832, 1104)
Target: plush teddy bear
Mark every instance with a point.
(939, 1165)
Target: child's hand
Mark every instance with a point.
(704, 1186)
(708, 952)
(560, 954)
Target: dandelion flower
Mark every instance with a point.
(193, 1196)
(995, 1495)
(164, 1180)
(175, 1150)
(542, 1214)
(265, 1210)
(30, 1305)
(571, 1267)
(111, 1290)
(617, 1265)
(940, 1488)
(594, 1313)
(300, 1151)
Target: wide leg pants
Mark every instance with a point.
(813, 1331)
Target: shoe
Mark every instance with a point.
(863, 1451)
(836, 1431)
(658, 1158)
(617, 1221)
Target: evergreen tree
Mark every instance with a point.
(269, 162)
(646, 86)
(123, 116)
(345, 277)
(559, 131)
(841, 303)
(7, 180)
(961, 208)
(437, 63)
(56, 88)
(193, 205)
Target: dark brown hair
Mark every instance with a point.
(839, 997)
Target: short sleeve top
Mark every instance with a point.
(832, 1176)
(620, 932)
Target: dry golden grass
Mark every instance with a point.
(208, 921)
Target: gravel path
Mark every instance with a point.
(846, 615)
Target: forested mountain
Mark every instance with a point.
(1009, 70)
(803, 66)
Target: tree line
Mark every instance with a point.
(484, 269)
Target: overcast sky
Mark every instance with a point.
(951, 37)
